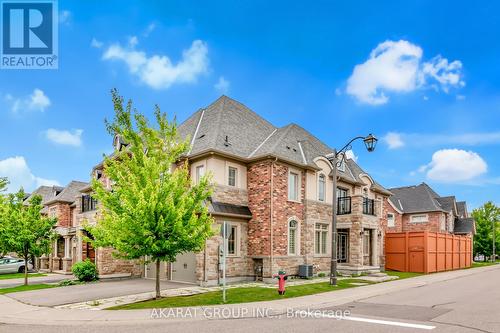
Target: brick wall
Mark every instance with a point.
(432, 225)
(398, 218)
(259, 200)
(63, 213)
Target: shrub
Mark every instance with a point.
(322, 274)
(85, 271)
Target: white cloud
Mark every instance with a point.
(454, 165)
(222, 85)
(445, 74)
(133, 41)
(65, 16)
(158, 71)
(19, 174)
(64, 137)
(393, 140)
(350, 154)
(422, 139)
(151, 27)
(95, 43)
(397, 67)
(37, 101)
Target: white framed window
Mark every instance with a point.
(320, 238)
(418, 218)
(442, 222)
(293, 231)
(200, 172)
(321, 187)
(233, 241)
(391, 220)
(293, 186)
(232, 175)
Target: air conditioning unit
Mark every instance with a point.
(305, 271)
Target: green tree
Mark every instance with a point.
(153, 209)
(486, 216)
(27, 232)
(3, 216)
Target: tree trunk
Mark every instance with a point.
(26, 270)
(158, 295)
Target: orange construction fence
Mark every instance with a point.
(426, 252)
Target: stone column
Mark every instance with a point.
(67, 254)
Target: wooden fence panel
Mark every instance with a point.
(427, 252)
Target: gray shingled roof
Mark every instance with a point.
(464, 226)
(249, 136)
(69, 193)
(46, 192)
(447, 203)
(415, 199)
(462, 209)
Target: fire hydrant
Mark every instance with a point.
(282, 277)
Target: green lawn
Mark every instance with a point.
(26, 288)
(240, 295)
(482, 263)
(403, 275)
(19, 275)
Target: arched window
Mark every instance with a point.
(321, 187)
(292, 236)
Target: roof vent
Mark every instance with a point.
(294, 150)
(201, 136)
(287, 147)
(226, 141)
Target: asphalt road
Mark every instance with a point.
(465, 304)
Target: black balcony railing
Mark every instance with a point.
(368, 206)
(88, 203)
(343, 205)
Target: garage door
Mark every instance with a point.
(184, 268)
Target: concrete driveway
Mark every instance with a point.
(49, 278)
(90, 291)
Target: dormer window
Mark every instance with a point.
(98, 174)
(341, 165)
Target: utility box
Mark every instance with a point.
(305, 271)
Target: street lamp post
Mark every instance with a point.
(370, 143)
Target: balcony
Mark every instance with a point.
(368, 206)
(343, 205)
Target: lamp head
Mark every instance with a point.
(370, 142)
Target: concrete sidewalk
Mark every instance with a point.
(14, 312)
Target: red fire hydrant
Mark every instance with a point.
(282, 277)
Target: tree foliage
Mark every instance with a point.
(25, 230)
(153, 209)
(486, 216)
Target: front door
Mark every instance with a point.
(184, 268)
(367, 247)
(343, 245)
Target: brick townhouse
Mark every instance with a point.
(273, 186)
(420, 208)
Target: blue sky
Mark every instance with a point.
(422, 76)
